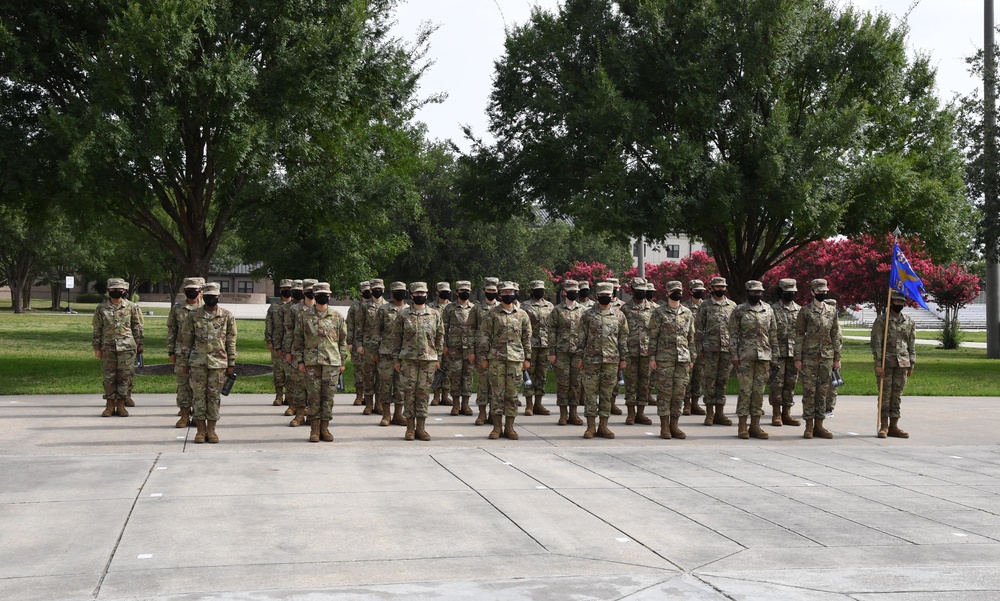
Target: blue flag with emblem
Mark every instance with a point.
(902, 279)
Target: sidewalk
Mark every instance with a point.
(921, 341)
(125, 508)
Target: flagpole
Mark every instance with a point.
(885, 343)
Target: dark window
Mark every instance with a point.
(673, 251)
(244, 287)
(223, 286)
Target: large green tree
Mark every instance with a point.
(756, 126)
(179, 115)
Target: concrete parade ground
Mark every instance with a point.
(130, 508)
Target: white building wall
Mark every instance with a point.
(673, 248)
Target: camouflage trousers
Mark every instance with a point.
(752, 376)
(568, 380)
(693, 391)
(539, 370)
(119, 371)
(892, 390)
(460, 371)
(359, 373)
(783, 387)
(715, 376)
(672, 381)
(415, 379)
(505, 382)
(206, 386)
(369, 371)
(295, 384)
(599, 381)
(321, 384)
(484, 388)
(817, 375)
(831, 399)
(278, 367)
(445, 387)
(638, 381)
(185, 397)
(388, 381)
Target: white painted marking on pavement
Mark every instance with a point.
(156, 494)
(145, 556)
(161, 468)
(736, 459)
(459, 435)
(541, 487)
(959, 534)
(507, 463)
(854, 434)
(957, 457)
(437, 419)
(622, 540)
(650, 434)
(809, 484)
(181, 437)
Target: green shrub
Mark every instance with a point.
(89, 298)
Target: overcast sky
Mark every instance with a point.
(470, 37)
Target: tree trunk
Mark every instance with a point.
(56, 290)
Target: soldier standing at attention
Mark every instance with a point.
(355, 332)
(538, 310)
(672, 355)
(712, 340)
(616, 303)
(117, 340)
(208, 354)
(564, 336)
(285, 337)
(691, 407)
(782, 393)
(585, 301)
(603, 348)
(388, 377)
(900, 357)
(638, 313)
(440, 304)
(504, 348)
(320, 353)
(297, 382)
(417, 343)
(273, 331)
(368, 347)
(752, 337)
(831, 397)
(460, 347)
(817, 353)
(483, 393)
(178, 314)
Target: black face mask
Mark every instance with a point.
(116, 293)
(297, 295)
(444, 295)
(675, 295)
(584, 293)
(464, 295)
(638, 295)
(286, 293)
(322, 299)
(698, 294)
(788, 296)
(603, 300)
(507, 299)
(572, 295)
(419, 299)
(820, 296)
(491, 296)
(191, 294)
(211, 300)
(377, 292)
(537, 294)
(754, 299)
(398, 295)
(308, 294)
(718, 293)
(367, 294)
(896, 308)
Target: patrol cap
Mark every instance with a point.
(819, 285)
(788, 285)
(117, 283)
(537, 285)
(491, 283)
(897, 296)
(416, 287)
(584, 285)
(508, 285)
(463, 285)
(377, 283)
(754, 285)
(570, 285)
(308, 284)
(605, 288)
(365, 285)
(296, 284)
(830, 301)
(718, 281)
(638, 284)
(517, 286)
(650, 287)
(285, 284)
(210, 289)
(194, 283)
(443, 287)
(673, 285)
(612, 281)
(696, 285)
(321, 287)
(398, 286)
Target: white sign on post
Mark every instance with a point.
(70, 282)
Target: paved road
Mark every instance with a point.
(126, 508)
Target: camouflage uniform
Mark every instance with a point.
(671, 346)
(179, 313)
(782, 393)
(459, 321)
(831, 396)
(817, 345)
(320, 347)
(505, 344)
(712, 340)
(417, 341)
(753, 335)
(296, 382)
(274, 330)
(369, 344)
(388, 378)
(603, 347)
(279, 337)
(208, 349)
(693, 391)
(638, 384)
(118, 336)
(440, 304)
(538, 311)
(355, 335)
(585, 301)
(483, 393)
(564, 335)
(900, 357)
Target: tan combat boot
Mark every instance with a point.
(314, 431)
(720, 418)
(563, 415)
(277, 396)
(300, 416)
(630, 417)
(786, 417)
(210, 435)
(696, 408)
(591, 430)
(129, 402)
(378, 405)
(199, 437)
(602, 428)
(675, 430)
(508, 429)
(742, 432)
(120, 408)
(574, 417)
(324, 430)
(482, 418)
(385, 415)
(358, 400)
(369, 405)
(820, 431)
(640, 416)
(529, 408)
(894, 430)
(686, 410)
(410, 433)
(709, 415)
(539, 408)
(755, 430)
(185, 419)
(615, 409)
(809, 429)
(776, 415)
(397, 416)
(420, 431)
(109, 408)
(466, 410)
(497, 427)
(665, 427)
(290, 410)
(456, 403)
(436, 399)
(883, 429)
